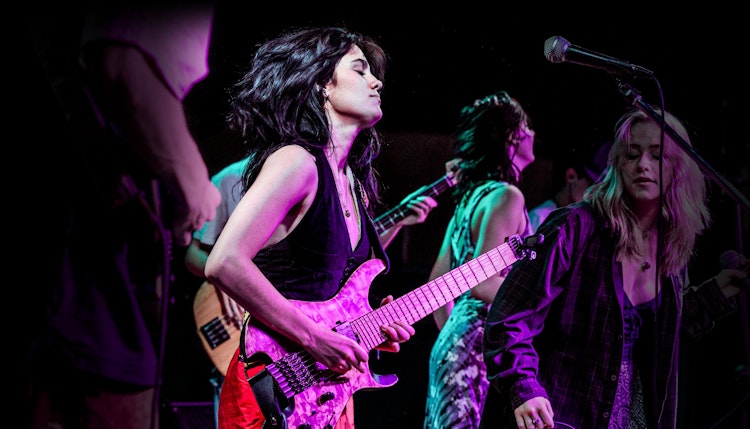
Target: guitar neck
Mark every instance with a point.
(415, 305)
(296, 372)
(398, 213)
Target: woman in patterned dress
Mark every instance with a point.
(493, 145)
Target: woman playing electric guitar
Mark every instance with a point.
(306, 110)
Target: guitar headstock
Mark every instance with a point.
(524, 247)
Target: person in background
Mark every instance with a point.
(134, 185)
(586, 335)
(494, 143)
(581, 171)
(306, 110)
(229, 183)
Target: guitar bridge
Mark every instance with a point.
(293, 373)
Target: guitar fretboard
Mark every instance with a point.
(396, 214)
(415, 305)
(296, 372)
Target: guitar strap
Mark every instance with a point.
(264, 388)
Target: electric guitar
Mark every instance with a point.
(219, 329)
(313, 396)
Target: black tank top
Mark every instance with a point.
(316, 258)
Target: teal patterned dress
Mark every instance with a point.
(457, 382)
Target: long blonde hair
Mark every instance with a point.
(684, 214)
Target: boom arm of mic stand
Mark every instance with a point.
(631, 94)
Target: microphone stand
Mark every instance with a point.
(635, 98)
(632, 94)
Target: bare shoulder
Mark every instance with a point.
(501, 213)
(505, 197)
(292, 160)
(289, 173)
(504, 210)
(293, 155)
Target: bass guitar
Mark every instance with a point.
(313, 397)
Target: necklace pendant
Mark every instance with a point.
(346, 213)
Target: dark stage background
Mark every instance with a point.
(442, 59)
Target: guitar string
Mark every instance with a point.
(310, 364)
(229, 327)
(232, 320)
(390, 217)
(326, 374)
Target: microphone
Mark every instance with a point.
(733, 259)
(559, 50)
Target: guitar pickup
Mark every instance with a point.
(214, 333)
(346, 330)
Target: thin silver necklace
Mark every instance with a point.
(345, 201)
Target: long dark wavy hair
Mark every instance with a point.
(278, 101)
(482, 139)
